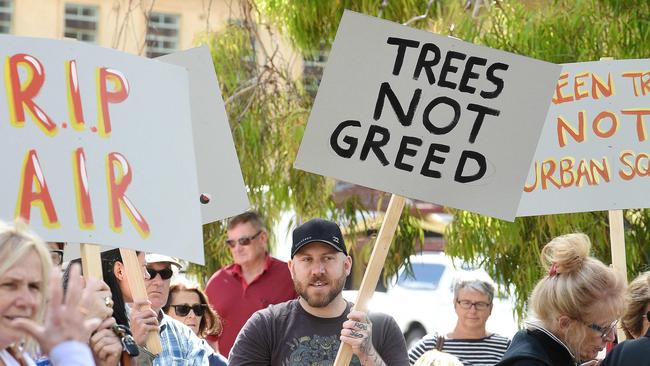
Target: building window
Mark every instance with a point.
(5, 16)
(162, 34)
(81, 22)
(312, 70)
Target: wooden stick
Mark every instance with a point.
(375, 265)
(135, 279)
(617, 240)
(91, 261)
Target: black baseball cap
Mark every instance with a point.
(321, 230)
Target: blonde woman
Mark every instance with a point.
(575, 308)
(26, 279)
(636, 324)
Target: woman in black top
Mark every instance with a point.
(575, 308)
(636, 324)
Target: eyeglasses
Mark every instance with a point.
(480, 305)
(57, 257)
(165, 274)
(242, 241)
(184, 309)
(604, 331)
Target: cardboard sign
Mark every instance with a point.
(220, 178)
(426, 116)
(594, 153)
(96, 147)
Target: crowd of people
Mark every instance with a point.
(259, 310)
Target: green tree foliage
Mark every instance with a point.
(558, 31)
(267, 111)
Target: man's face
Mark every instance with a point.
(157, 288)
(254, 250)
(318, 272)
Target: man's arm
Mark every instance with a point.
(252, 346)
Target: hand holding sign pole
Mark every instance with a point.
(375, 266)
(430, 118)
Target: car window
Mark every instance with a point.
(426, 276)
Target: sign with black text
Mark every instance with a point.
(426, 116)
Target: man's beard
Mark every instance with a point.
(320, 301)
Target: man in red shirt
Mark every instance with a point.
(254, 281)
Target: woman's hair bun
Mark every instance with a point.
(566, 253)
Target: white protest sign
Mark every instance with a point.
(426, 116)
(594, 152)
(96, 147)
(220, 179)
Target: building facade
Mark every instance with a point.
(148, 27)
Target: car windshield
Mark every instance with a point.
(426, 276)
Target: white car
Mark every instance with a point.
(423, 303)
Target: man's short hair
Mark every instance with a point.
(251, 217)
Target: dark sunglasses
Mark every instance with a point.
(242, 241)
(165, 274)
(184, 309)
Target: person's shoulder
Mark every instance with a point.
(381, 317)
(498, 338)
(276, 261)
(175, 325)
(221, 272)
(277, 264)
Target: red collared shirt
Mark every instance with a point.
(235, 300)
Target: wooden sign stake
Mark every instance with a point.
(617, 241)
(91, 261)
(135, 279)
(375, 265)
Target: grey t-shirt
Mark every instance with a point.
(285, 334)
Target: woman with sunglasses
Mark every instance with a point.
(188, 304)
(636, 325)
(574, 308)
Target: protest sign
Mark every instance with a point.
(220, 180)
(594, 152)
(91, 136)
(427, 116)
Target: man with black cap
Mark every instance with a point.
(309, 330)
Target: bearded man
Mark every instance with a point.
(310, 329)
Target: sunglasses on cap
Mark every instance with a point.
(242, 241)
(184, 309)
(165, 274)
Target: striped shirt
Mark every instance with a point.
(471, 352)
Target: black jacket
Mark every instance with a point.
(536, 348)
(634, 352)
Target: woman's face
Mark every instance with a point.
(21, 291)
(185, 297)
(598, 330)
(478, 312)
